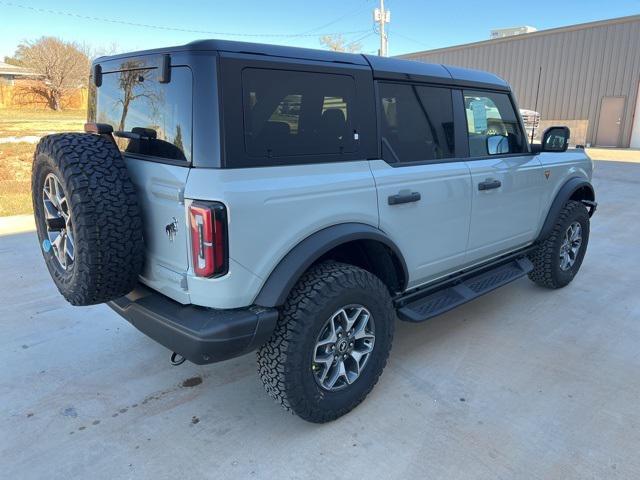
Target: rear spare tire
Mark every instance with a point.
(87, 217)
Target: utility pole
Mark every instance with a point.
(382, 16)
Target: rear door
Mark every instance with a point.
(152, 124)
(424, 191)
(507, 180)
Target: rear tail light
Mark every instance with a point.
(208, 222)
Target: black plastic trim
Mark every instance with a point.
(489, 185)
(562, 197)
(275, 290)
(540, 147)
(97, 75)
(165, 69)
(98, 128)
(460, 124)
(404, 198)
(201, 335)
(150, 158)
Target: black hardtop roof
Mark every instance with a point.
(382, 67)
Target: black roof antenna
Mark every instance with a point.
(535, 108)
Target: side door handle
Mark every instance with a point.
(404, 197)
(489, 184)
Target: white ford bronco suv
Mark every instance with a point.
(229, 197)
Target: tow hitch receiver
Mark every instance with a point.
(177, 359)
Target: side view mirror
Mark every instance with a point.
(554, 139)
(497, 144)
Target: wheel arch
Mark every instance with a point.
(575, 188)
(354, 243)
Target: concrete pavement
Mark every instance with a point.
(522, 383)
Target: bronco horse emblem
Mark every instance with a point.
(172, 229)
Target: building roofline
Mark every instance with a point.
(526, 36)
(15, 70)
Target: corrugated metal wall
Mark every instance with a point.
(580, 65)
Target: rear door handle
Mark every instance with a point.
(489, 184)
(404, 197)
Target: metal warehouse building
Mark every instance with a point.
(589, 77)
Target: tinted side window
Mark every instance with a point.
(290, 113)
(492, 115)
(159, 114)
(417, 122)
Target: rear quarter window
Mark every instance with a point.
(296, 114)
(156, 117)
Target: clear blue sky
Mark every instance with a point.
(415, 25)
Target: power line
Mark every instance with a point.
(164, 27)
(358, 40)
(409, 38)
(342, 17)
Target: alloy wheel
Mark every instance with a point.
(570, 246)
(343, 347)
(58, 222)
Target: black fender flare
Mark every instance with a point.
(562, 197)
(284, 276)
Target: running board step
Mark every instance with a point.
(450, 297)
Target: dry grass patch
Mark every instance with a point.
(16, 158)
(15, 178)
(20, 123)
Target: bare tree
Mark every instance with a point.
(338, 44)
(133, 85)
(61, 65)
(112, 48)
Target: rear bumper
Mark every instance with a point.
(201, 335)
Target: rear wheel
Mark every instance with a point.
(559, 257)
(331, 342)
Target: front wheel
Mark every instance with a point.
(331, 342)
(558, 258)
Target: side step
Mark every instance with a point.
(445, 299)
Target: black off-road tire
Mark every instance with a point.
(285, 361)
(106, 220)
(546, 258)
